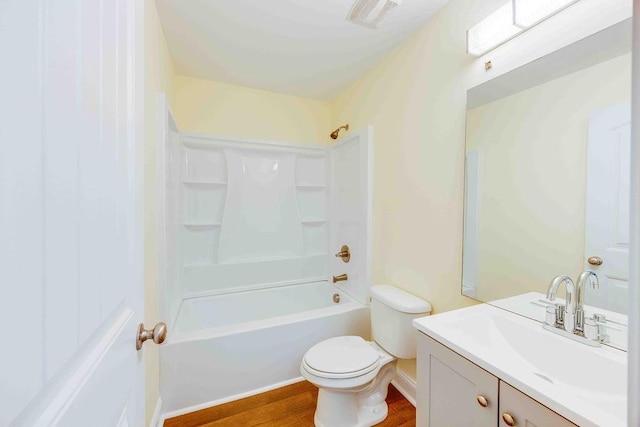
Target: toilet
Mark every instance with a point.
(353, 374)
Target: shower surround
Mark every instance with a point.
(248, 230)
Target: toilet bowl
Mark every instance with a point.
(353, 374)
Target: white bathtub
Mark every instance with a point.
(229, 346)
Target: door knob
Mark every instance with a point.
(158, 334)
(595, 260)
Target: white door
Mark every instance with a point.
(70, 212)
(607, 212)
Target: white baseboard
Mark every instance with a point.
(156, 419)
(405, 385)
(228, 399)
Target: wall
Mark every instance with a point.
(416, 100)
(159, 78)
(210, 107)
(533, 150)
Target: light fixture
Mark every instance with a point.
(527, 13)
(492, 31)
(508, 21)
(370, 13)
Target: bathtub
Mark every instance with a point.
(229, 346)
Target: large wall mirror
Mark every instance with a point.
(547, 174)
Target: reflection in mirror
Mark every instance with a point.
(547, 174)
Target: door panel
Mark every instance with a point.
(70, 233)
(21, 209)
(607, 205)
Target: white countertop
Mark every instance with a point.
(588, 383)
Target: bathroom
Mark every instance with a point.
(403, 93)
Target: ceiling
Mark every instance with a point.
(304, 48)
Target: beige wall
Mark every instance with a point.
(416, 101)
(533, 150)
(210, 107)
(158, 78)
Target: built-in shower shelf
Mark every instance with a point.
(204, 183)
(313, 220)
(201, 225)
(311, 186)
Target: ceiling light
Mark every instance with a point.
(527, 13)
(492, 31)
(370, 13)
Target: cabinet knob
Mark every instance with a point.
(508, 419)
(482, 401)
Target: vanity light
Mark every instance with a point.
(492, 31)
(527, 13)
(508, 21)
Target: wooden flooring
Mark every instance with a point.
(291, 406)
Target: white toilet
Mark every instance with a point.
(353, 374)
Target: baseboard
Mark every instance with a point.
(405, 385)
(156, 419)
(228, 399)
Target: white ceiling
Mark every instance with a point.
(304, 48)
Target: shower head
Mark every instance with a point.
(334, 134)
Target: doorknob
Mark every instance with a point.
(158, 334)
(595, 260)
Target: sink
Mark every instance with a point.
(587, 385)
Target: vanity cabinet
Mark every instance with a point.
(454, 392)
(526, 411)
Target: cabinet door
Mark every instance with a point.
(525, 411)
(450, 388)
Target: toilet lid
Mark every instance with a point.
(342, 355)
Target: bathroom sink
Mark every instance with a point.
(585, 384)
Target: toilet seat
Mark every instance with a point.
(341, 357)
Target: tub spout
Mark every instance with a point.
(340, 278)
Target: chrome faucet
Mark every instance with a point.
(568, 312)
(569, 320)
(592, 279)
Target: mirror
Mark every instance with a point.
(547, 174)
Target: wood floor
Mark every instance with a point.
(291, 406)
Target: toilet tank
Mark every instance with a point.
(392, 314)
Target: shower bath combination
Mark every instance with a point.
(247, 231)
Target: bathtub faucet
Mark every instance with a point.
(340, 278)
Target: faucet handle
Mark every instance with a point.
(591, 329)
(595, 328)
(554, 315)
(551, 315)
